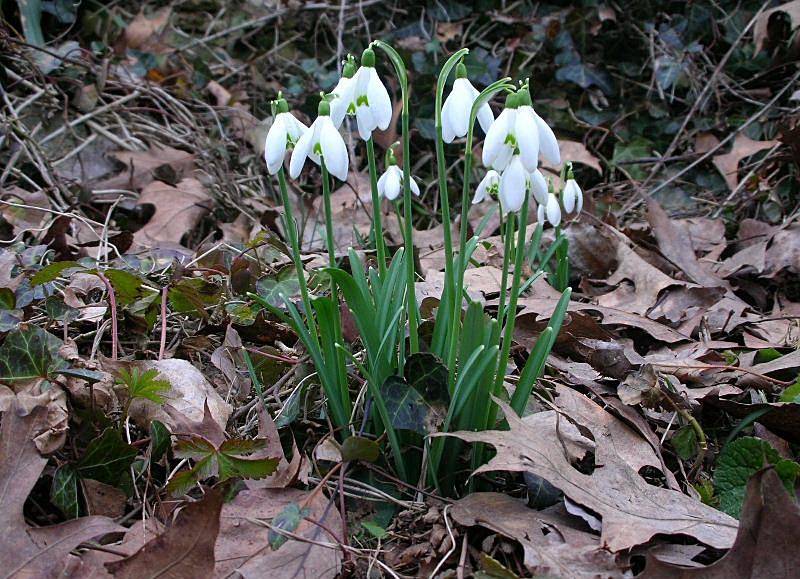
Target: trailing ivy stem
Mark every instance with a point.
(290, 225)
(377, 226)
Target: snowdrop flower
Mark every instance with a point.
(501, 142)
(535, 136)
(550, 210)
(538, 187)
(572, 196)
(373, 107)
(458, 106)
(343, 102)
(513, 185)
(488, 185)
(321, 140)
(390, 183)
(285, 131)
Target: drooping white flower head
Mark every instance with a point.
(572, 196)
(530, 127)
(489, 184)
(285, 130)
(458, 106)
(538, 187)
(373, 107)
(343, 97)
(390, 184)
(501, 141)
(550, 210)
(513, 185)
(321, 141)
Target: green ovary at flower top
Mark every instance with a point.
(478, 355)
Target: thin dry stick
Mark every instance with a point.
(724, 367)
(163, 345)
(112, 298)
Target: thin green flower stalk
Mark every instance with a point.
(377, 224)
(508, 243)
(413, 314)
(462, 261)
(446, 309)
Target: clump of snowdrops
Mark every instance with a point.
(473, 345)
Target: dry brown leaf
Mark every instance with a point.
(760, 28)
(184, 551)
(27, 551)
(577, 153)
(189, 394)
(103, 499)
(287, 472)
(141, 167)
(243, 547)
(22, 218)
(632, 510)
(765, 545)
(552, 545)
(704, 142)
(178, 211)
(351, 206)
(743, 146)
(144, 33)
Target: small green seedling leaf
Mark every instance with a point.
(160, 439)
(360, 448)
(126, 285)
(426, 373)
(792, 393)
(406, 407)
(738, 461)
(374, 529)
(145, 385)
(684, 441)
(287, 520)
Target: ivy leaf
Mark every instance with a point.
(29, 353)
(741, 459)
(53, 271)
(126, 285)
(792, 393)
(426, 373)
(64, 491)
(684, 441)
(160, 439)
(406, 407)
(360, 448)
(107, 458)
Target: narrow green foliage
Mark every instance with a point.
(287, 520)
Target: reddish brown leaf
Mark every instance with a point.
(184, 551)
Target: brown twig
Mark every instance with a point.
(724, 367)
(112, 298)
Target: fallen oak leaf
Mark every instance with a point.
(550, 544)
(141, 167)
(26, 551)
(743, 146)
(765, 544)
(632, 510)
(184, 551)
(179, 209)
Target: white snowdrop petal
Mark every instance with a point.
(382, 183)
(548, 144)
(512, 186)
(553, 210)
(379, 101)
(275, 145)
(393, 183)
(503, 159)
(294, 128)
(414, 187)
(568, 197)
(579, 208)
(462, 105)
(448, 133)
(539, 187)
(485, 117)
(495, 138)
(527, 138)
(301, 151)
(334, 150)
(540, 213)
(365, 122)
